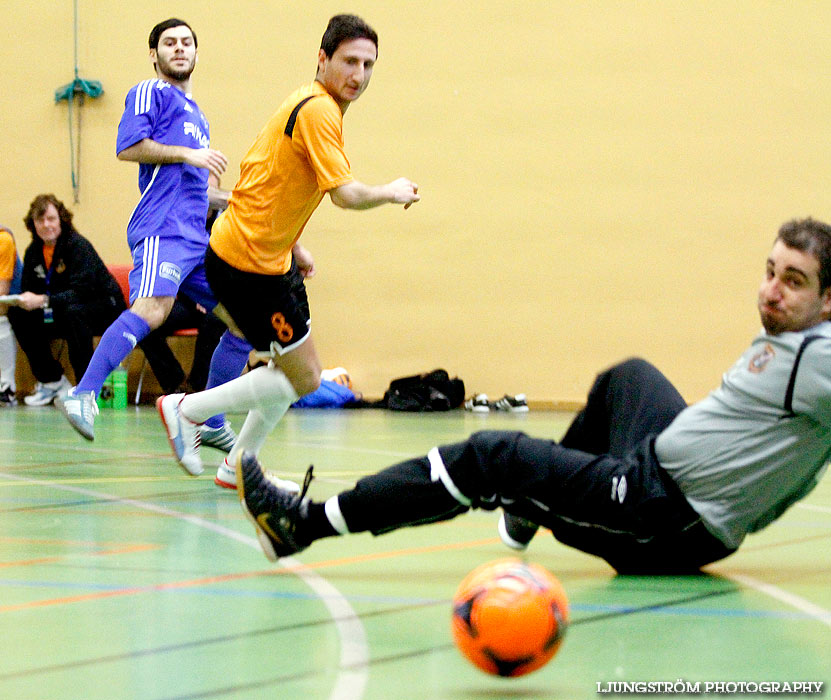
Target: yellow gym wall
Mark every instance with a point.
(600, 179)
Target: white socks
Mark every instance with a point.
(261, 388)
(265, 392)
(258, 424)
(8, 354)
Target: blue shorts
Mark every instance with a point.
(162, 267)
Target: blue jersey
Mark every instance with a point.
(16, 286)
(174, 196)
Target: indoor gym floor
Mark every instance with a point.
(121, 577)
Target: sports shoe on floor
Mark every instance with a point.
(226, 477)
(80, 410)
(182, 433)
(46, 393)
(514, 404)
(478, 404)
(7, 397)
(219, 438)
(273, 511)
(516, 532)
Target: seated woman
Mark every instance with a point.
(69, 293)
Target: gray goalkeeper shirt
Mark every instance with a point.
(759, 442)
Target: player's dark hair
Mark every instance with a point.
(39, 206)
(812, 237)
(345, 28)
(156, 32)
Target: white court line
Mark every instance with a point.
(811, 506)
(353, 666)
(811, 609)
(354, 653)
(806, 606)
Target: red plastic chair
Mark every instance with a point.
(122, 274)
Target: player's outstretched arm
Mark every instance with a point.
(357, 195)
(149, 151)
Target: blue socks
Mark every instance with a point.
(117, 342)
(229, 359)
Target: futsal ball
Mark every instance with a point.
(509, 617)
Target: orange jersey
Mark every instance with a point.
(282, 180)
(8, 255)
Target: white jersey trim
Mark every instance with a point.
(146, 190)
(144, 96)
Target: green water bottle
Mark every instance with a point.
(120, 387)
(105, 396)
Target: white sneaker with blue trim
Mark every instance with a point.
(80, 410)
(46, 392)
(219, 438)
(184, 435)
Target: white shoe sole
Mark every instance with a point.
(227, 479)
(39, 402)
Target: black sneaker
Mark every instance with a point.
(516, 532)
(514, 404)
(7, 397)
(273, 511)
(478, 404)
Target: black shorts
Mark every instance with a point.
(272, 311)
(627, 509)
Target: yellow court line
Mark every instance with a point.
(94, 544)
(102, 480)
(101, 595)
(62, 557)
(121, 514)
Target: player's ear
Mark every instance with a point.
(825, 298)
